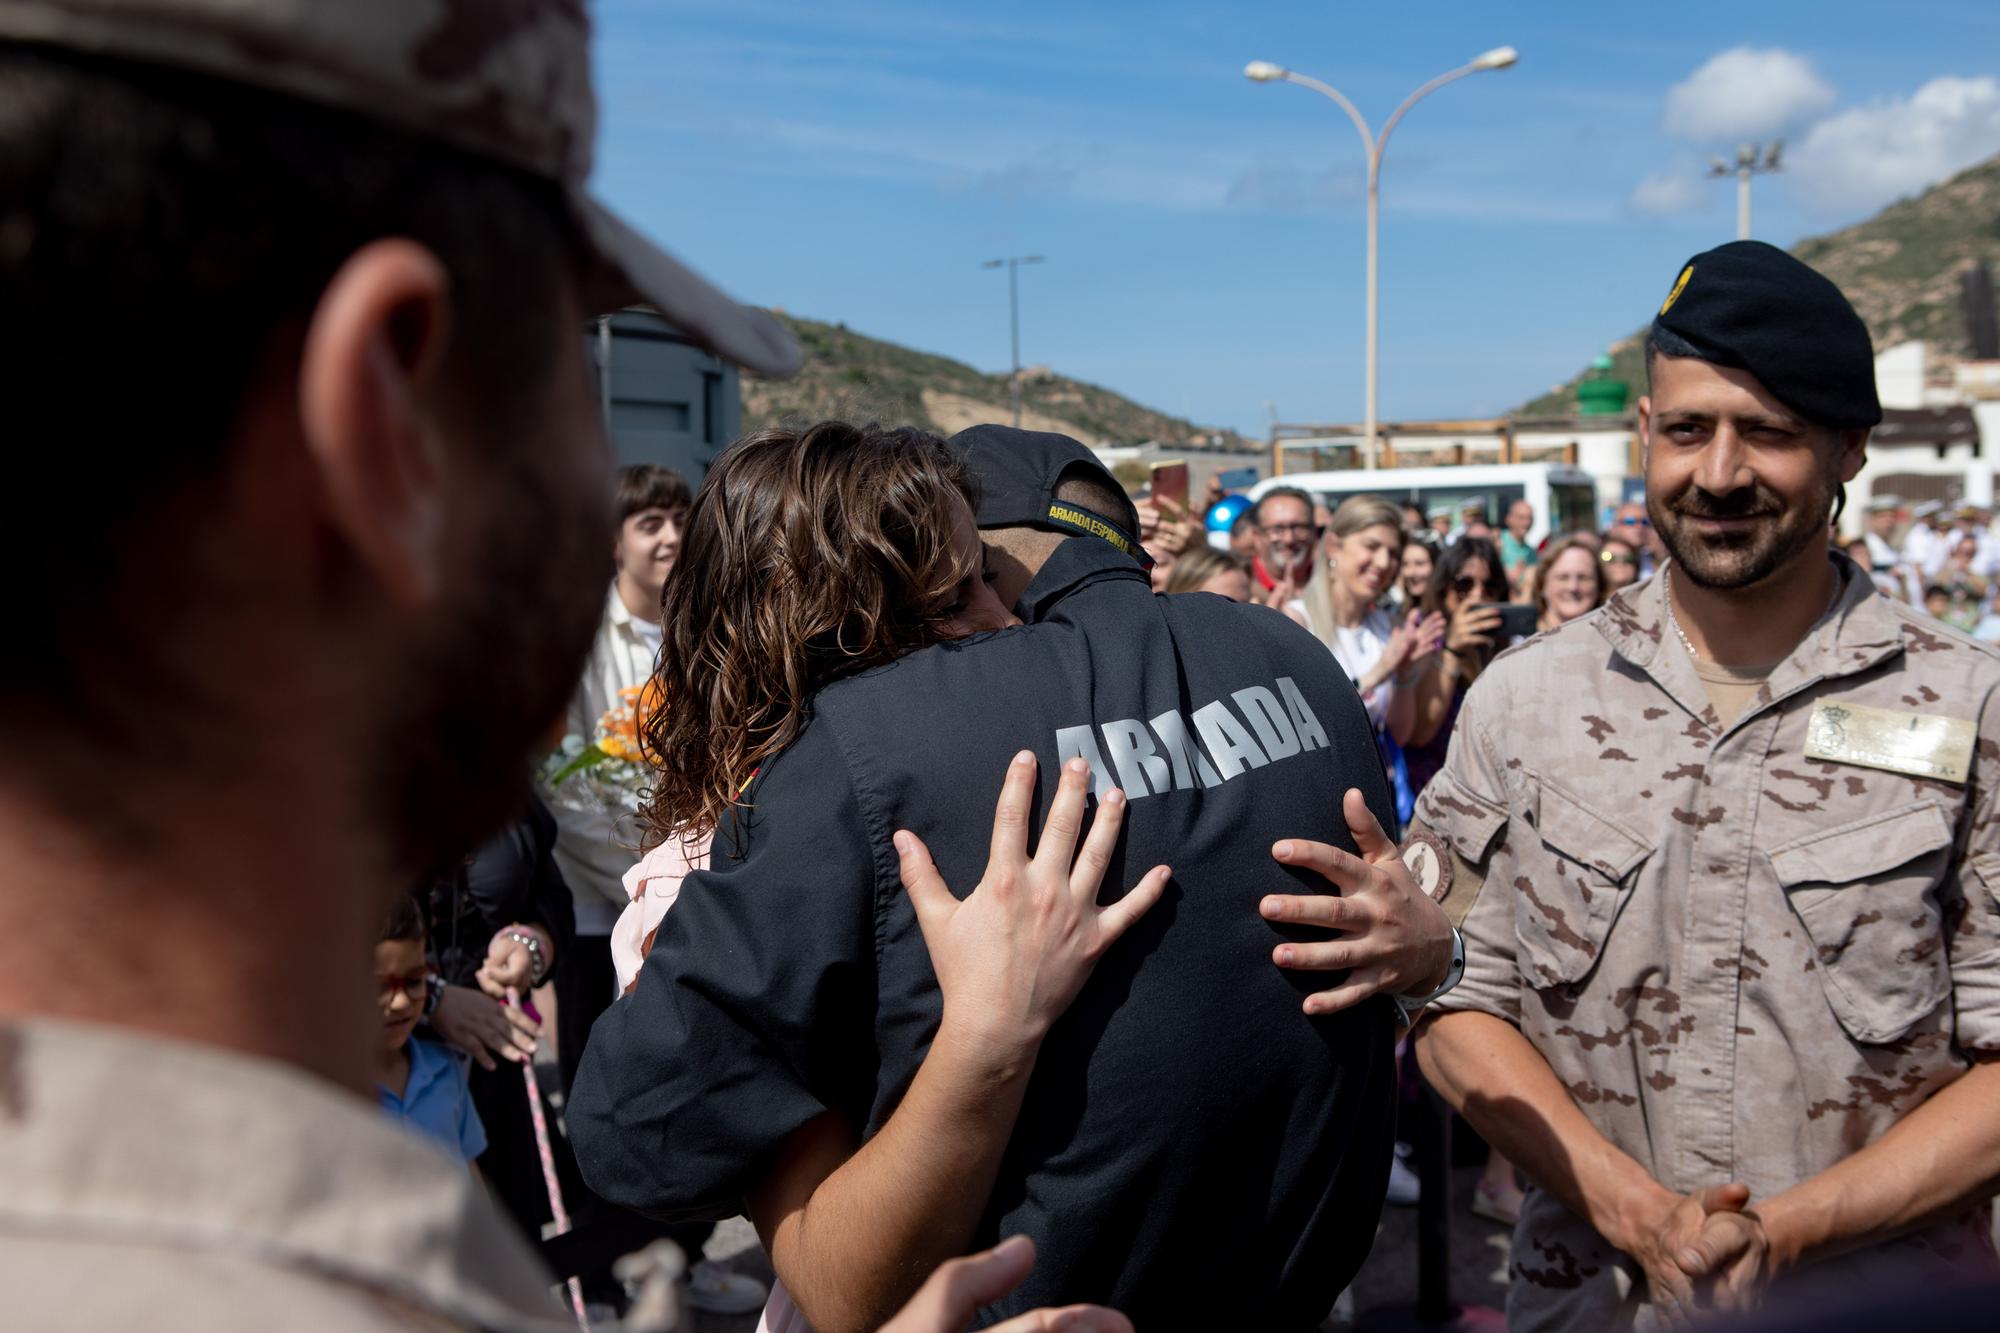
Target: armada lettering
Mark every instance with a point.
(1141, 771)
(1229, 742)
(1279, 726)
(1186, 757)
(1079, 742)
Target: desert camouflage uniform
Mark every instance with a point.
(1742, 963)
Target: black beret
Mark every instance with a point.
(1018, 472)
(1753, 307)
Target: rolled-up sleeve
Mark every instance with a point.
(752, 1014)
(1465, 805)
(1975, 943)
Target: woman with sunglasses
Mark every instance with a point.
(1465, 586)
(1620, 561)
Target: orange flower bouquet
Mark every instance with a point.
(608, 771)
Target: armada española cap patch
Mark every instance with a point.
(506, 79)
(1018, 472)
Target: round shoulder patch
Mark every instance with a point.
(1680, 285)
(1429, 864)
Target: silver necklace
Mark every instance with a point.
(1667, 587)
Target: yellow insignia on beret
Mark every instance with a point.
(1680, 285)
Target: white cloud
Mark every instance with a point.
(1680, 189)
(1280, 189)
(1746, 93)
(1871, 155)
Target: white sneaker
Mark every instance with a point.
(716, 1290)
(1403, 1187)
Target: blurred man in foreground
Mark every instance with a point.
(348, 508)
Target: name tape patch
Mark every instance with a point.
(1924, 746)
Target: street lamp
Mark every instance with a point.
(1263, 71)
(1751, 160)
(1014, 322)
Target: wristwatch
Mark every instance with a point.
(1412, 1005)
(433, 992)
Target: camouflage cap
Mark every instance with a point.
(508, 79)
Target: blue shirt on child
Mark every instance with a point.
(437, 1101)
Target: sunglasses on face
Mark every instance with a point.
(1635, 522)
(1613, 558)
(1465, 585)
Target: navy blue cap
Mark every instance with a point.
(1751, 306)
(1018, 472)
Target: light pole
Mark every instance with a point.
(1263, 71)
(1751, 160)
(1014, 322)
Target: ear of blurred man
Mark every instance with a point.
(349, 490)
(372, 357)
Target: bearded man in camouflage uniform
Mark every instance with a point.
(1726, 855)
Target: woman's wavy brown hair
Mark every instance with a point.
(809, 554)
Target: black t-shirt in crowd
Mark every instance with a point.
(1193, 1149)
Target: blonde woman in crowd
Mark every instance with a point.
(1340, 605)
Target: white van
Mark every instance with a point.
(1564, 497)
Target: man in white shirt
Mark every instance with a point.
(593, 850)
(1883, 511)
(1978, 524)
(1927, 543)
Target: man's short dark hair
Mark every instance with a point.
(1284, 492)
(1087, 489)
(643, 486)
(164, 240)
(1665, 342)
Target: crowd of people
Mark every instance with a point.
(1942, 557)
(1009, 901)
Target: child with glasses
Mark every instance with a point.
(421, 1083)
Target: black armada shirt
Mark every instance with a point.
(1193, 1149)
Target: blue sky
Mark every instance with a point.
(1204, 234)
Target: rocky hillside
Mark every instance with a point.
(851, 375)
(1900, 268)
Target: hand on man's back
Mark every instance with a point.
(1390, 937)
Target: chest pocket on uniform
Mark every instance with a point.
(1867, 893)
(1568, 891)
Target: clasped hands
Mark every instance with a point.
(1702, 1253)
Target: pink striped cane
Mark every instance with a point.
(556, 1208)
